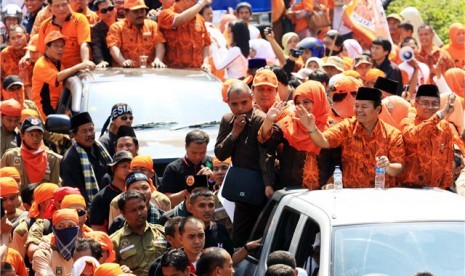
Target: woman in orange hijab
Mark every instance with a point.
(298, 159)
(455, 78)
(394, 110)
(456, 48)
(343, 94)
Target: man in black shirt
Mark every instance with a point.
(107, 13)
(85, 163)
(195, 162)
(121, 115)
(380, 50)
(100, 208)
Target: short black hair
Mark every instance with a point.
(244, 5)
(200, 193)
(27, 193)
(280, 73)
(170, 226)
(210, 259)
(96, 3)
(176, 258)
(7, 267)
(84, 244)
(197, 136)
(280, 270)
(383, 42)
(333, 34)
(281, 257)
(407, 26)
(128, 195)
(320, 76)
(186, 220)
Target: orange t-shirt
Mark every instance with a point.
(46, 90)
(134, 42)
(43, 14)
(359, 151)
(430, 151)
(76, 28)
(438, 55)
(184, 44)
(278, 9)
(10, 62)
(302, 23)
(16, 261)
(92, 17)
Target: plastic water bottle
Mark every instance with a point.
(380, 177)
(337, 176)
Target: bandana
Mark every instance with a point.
(108, 269)
(65, 240)
(119, 110)
(8, 186)
(42, 193)
(80, 265)
(35, 163)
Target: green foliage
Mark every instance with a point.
(440, 14)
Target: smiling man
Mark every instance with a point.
(34, 162)
(428, 141)
(138, 243)
(366, 141)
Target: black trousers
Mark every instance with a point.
(245, 217)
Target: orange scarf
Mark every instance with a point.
(455, 78)
(456, 51)
(35, 163)
(394, 110)
(294, 132)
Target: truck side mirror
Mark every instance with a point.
(58, 123)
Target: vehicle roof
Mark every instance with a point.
(361, 206)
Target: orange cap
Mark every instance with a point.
(65, 214)
(73, 199)
(27, 112)
(42, 193)
(105, 242)
(8, 186)
(134, 4)
(9, 172)
(54, 35)
(144, 161)
(11, 108)
(108, 269)
(373, 74)
(347, 84)
(265, 77)
(216, 161)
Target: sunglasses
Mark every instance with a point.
(108, 9)
(81, 212)
(125, 118)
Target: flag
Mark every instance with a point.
(367, 19)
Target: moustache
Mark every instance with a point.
(90, 138)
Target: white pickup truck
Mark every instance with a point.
(363, 232)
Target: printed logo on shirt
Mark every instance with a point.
(190, 180)
(17, 161)
(124, 242)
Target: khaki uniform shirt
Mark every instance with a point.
(12, 158)
(7, 140)
(48, 261)
(138, 251)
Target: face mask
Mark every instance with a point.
(66, 240)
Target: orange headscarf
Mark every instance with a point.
(58, 196)
(455, 78)
(352, 73)
(9, 172)
(11, 107)
(65, 214)
(108, 269)
(73, 199)
(105, 242)
(216, 161)
(455, 50)
(144, 161)
(8, 186)
(42, 193)
(394, 110)
(346, 85)
(373, 74)
(294, 132)
(27, 112)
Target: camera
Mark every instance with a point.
(296, 53)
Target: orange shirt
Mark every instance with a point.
(184, 44)
(302, 23)
(16, 261)
(92, 17)
(359, 151)
(46, 90)
(429, 150)
(134, 42)
(76, 28)
(431, 59)
(9, 62)
(278, 10)
(43, 14)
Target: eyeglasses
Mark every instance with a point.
(81, 212)
(125, 118)
(108, 9)
(430, 104)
